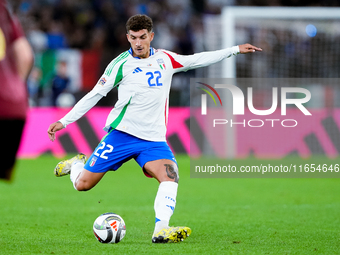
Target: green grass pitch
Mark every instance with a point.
(42, 214)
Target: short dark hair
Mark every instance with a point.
(139, 22)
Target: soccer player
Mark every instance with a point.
(136, 125)
(16, 60)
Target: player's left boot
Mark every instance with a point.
(171, 235)
(64, 167)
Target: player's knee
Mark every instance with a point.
(82, 185)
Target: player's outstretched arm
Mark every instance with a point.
(53, 128)
(82, 107)
(248, 48)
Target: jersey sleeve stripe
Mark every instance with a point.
(174, 63)
(112, 65)
(119, 75)
(122, 56)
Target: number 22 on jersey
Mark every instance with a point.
(154, 77)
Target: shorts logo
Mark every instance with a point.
(102, 81)
(93, 161)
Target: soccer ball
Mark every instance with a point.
(109, 228)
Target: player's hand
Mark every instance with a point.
(248, 48)
(53, 128)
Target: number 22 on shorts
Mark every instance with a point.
(103, 152)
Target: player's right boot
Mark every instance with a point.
(64, 167)
(171, 235)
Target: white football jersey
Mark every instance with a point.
(143, 90)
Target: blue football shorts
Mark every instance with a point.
(118, 147)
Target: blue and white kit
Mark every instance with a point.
(118, 147)
(143, 96)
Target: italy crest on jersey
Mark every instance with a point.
(93, 161)
(161, 63)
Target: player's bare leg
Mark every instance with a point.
(81, 178)
(166, 172)
(87, 180)
(162, 170)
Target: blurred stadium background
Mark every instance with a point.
(73, 41)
